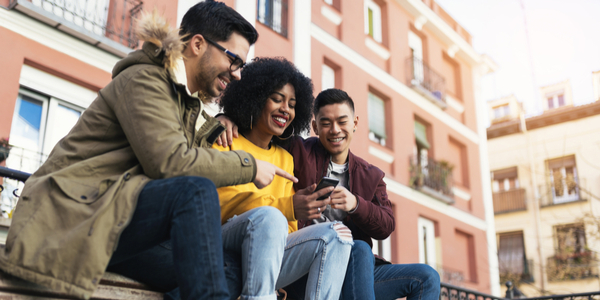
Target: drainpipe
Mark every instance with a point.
(536, 201)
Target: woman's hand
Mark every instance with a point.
(231, 131)
(306, 205)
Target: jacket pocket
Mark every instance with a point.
(82, 192)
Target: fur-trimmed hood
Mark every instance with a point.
(166, 48)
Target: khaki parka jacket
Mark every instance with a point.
(141, 127)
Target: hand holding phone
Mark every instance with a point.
(326, 182)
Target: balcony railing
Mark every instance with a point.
(21, 161)
(564, 191)
(432, 177)
(109, 24)
(572, 266)
(274, 14)
(424, 80)
(451, 292)
(507, 201)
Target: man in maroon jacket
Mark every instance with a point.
(360, 200)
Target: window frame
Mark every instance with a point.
(377, 20)
(377, 137)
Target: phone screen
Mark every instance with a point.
(326, 182)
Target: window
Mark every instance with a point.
(416, 48)
(330, 2)
(512, 260)
(451, 74)
(505, 180)
(327, 77)
(383, 248)
(555, 101)
(501, 111)
(459, 163)
(427, 248)
(274, 14)
(465, 250)
(564, 182)
(377, 119)
(570, 239)
(39, 122)
(422, 146)
(373, 20)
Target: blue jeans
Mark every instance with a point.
(185, 210)
(366, 279)
(272, 259)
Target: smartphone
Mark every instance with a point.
(326, 182)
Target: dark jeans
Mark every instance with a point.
(367, 279)
(186, 211)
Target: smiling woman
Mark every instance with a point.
(271, 103)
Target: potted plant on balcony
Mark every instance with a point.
(4, 149)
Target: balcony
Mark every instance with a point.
(572, 266)
(425, 81)
(564, 190)
(432, 177)
(274, 14)
(107, 24)
(509, 201)
(523, 275)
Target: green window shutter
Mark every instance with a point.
(377, 116)
(370, 20)
(421, 135)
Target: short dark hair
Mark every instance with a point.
(332, 96)
(243, 100)
(216, 21)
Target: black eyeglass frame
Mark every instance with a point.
(237, 63)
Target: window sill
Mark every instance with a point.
(376, 47)
(331, 15)
(439, 101)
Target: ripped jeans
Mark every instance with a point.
(272, 258)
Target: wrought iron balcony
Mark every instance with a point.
(424, 80)
(572, 266)
(432, 177)
(564, 190)
(508, 201)
(21, 162)
(107, 24)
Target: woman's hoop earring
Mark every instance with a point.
(288, 136)
(250, 122)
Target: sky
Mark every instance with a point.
(564, 39)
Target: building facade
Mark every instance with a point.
(408, 65)
(545, 176)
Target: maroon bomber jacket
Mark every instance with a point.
(374, 217)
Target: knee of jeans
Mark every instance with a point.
(431, 275)
(361, 248)
(201, 189)
(270, 220)
(343, 233)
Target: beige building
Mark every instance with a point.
(546, 192)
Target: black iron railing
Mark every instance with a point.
(431, 176)
(579, 296)
(448, 292)
(113, 19)
(19, 163)
(274, 14)
(421, 76)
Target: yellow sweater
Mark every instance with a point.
(239, 199)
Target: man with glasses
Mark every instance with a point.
(136, 171)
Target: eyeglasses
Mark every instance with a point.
(237, 62)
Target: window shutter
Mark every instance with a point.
(377, 116)
(421, 135)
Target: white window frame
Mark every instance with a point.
(372, 135)
(277, 10)
(383, 248)
(416, 45)
(427, 247)
(555, 103)
(369, 4)
(501, 111)
(330, 2)
(327, 77)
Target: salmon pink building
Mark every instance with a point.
(408, 65)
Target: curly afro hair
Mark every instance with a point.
(244, 100)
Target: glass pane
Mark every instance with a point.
(25, 132)
(328, 78)
(376, 116)
(370, 21)
(561, 100)
(550, 102)
(65, 118)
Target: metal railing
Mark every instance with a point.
(19, 164)
(564, 192)
(274, 14)
(572, 266)
(431, 175)
(448, 292)
(114, 19)
(420, 75)
(511, 200)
